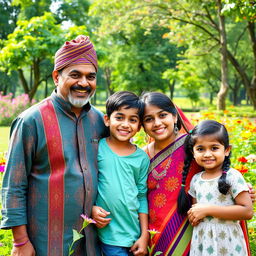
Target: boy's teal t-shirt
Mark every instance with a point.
(122, 190)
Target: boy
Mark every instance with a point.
(122, 189)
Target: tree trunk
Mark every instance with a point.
(23, 81)
(107, 73)
(171, 88)
(252, 94)
(46, 88)
(36, 81)
(221, 97)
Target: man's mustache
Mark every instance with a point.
(88, 89)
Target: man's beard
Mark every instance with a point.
(78, 103)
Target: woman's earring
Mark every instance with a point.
(175, 129)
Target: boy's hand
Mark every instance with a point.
(24, 250)
(99, 215)
(139, 248)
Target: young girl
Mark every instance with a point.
(220, 194)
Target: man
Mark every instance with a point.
(51, 172)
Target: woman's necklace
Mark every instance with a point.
(160, 175)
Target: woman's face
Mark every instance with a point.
(159, 124)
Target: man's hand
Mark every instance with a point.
(24, 250)
(99, 215)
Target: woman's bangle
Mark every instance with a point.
(20, 244)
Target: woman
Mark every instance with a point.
(165, 124)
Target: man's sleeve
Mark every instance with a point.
(15, 182)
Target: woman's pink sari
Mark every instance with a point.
(163, 189)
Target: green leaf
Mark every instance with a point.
(76, 236)
(157, 253)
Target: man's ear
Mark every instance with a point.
(55, 77)
(106, 120)
(227, 150)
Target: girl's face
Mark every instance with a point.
(209, 153)
(159, 124)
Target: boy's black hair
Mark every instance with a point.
(161, 101)
(124, 99)
(206, 127)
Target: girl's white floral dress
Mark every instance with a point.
(216, 237)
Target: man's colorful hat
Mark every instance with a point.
(77, 51)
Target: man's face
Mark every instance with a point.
(76, 84)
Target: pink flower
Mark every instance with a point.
(2, 167)
(87, 219)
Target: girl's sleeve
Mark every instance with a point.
(142, 185)
(191, 190)
(237, 182)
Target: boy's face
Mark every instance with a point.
(123, 123)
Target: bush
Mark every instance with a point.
(11, 107)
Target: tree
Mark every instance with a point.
(191, 22)
(245, 11)
(8, 18)
(30, 9)
(31, 43)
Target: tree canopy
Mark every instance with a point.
(196, 46)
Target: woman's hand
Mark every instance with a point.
(99, 215)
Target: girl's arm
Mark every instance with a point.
(242, 210)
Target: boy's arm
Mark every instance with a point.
(242, 210)
(139, 248)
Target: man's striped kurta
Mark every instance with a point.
(51, 175)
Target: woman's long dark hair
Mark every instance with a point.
(207, 127)
(161, 101)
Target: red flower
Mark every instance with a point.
(242, 159)
(242, 169)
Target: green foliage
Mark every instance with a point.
(241, 10)
(74, 11)
(29, 9)
(4, 138)
(192, 25)
(5, 238)
(34, 39)
(8, 18)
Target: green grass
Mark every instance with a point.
(4, 138)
